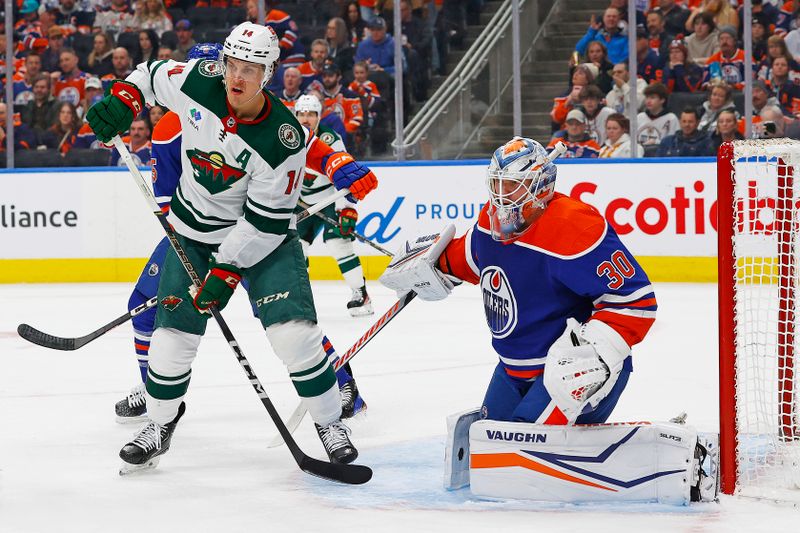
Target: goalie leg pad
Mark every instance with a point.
(638, 461)
(456, 451)
(298, 343)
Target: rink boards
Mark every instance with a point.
(84, 225)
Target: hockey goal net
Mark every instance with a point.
(759, 245)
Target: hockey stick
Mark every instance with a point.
(31, 334)
(36, 336)
(343, 473)
(355, 234)
(300, 411)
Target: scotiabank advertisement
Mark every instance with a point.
(658, 208)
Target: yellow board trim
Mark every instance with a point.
(683, 269)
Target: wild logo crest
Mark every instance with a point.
(171, 302)
(212, 172)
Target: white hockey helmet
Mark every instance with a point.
(254, 43)
(521, 179)
(308, 103)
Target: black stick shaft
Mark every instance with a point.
(54, 342)
(355, 234)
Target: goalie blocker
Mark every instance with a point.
(631, 461)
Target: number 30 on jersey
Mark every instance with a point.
(617, 270)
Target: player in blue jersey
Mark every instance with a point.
(564, 299)
(166, 172)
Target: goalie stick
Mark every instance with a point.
(355, 234)
(31, 334)
(343, 473)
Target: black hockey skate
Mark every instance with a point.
(335, 437)
(352, 402)
(133, 408)
(145, 450)
(360, 303)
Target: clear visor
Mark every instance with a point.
(236, 69)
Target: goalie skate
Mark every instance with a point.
(145, 450)
(132, 409)
(335, 438)
(360, 303)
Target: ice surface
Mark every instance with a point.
(59, 441)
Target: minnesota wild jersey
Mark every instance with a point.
(239, 179)
(316, 186)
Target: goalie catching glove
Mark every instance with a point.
(412, 268)
(583, 365)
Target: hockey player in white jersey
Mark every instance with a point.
(339, 239)
(243, 159)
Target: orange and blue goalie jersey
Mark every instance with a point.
(569, 264)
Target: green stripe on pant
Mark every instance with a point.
(314, 381)
(167, 388)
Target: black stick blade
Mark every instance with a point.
(341, 473)
(41, 338)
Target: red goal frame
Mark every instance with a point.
(727, 316)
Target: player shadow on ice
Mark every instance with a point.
(409, 475)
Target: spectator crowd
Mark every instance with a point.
(690, 74)
(68, 52)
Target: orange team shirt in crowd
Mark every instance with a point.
(578, 149)
(732, 69)
(560, 109)
(367, 89)
(348, 109)
(70, 89)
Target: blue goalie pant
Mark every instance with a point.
(513, 399)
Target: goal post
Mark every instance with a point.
(758, 247)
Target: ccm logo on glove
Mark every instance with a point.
(218, 287)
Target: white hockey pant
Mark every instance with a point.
(298, 343)
(169, 372)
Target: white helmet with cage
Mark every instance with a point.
(521, 179)
(308, 103)
(254, 43)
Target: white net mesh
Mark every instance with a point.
(766, 180)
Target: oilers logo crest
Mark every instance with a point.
(498, 302)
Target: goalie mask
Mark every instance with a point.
(255, 44)
(521, 180)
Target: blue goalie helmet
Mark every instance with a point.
(210, 51)
(521, 180)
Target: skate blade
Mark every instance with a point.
(364, 310)
(125, 420)
(127, 469)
